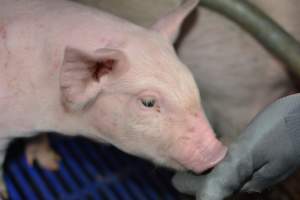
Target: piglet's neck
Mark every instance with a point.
(51, 119)
(70, 124)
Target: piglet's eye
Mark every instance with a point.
(149, 103)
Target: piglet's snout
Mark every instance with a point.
(198, 149)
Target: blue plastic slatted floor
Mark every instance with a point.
(88, 171)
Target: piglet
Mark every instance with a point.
(75, 70)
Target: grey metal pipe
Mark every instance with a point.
(280, 43)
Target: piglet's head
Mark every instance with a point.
(141, 98)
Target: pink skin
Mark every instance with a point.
(97, 75)
(199, 148)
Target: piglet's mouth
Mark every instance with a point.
(211, 160)
(200, 160)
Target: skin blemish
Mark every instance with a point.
(57, 63)
(2, 32)
(191, 129)
(3, 37)
(112, 43)
(158, 109)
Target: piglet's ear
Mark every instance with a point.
(170, 24)
(85, 74)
